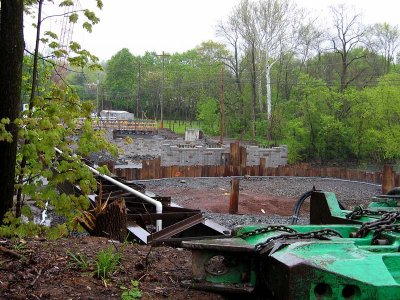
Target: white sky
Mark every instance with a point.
(180, 25)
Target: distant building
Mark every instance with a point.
(116, 115)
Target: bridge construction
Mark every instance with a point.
(122, 128)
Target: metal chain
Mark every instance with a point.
(385, 223)
(392, 227)
(317, 234)
(358, 212)
(265, 230)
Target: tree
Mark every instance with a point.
(11, 51)
(277, 20)
(121, 77)
(348, 34)
(51, 121)
(234, 60)
(385, 40)
(208, 114)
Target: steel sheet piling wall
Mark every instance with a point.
(152, 169)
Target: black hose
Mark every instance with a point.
(299, 203)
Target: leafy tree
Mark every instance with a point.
(52, 120)
(386, 115)
(208, 114)
(120, 78)
(384, 39)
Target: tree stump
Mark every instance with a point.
(111, 222)
(108, 222)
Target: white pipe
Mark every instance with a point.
(144, 197)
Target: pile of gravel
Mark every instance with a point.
(231, 221)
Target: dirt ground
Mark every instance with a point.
(46, 270)
(217, 201)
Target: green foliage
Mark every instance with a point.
(58, 119)
(209, 115)
(120, 77)
(107, 262)
(79, 261)
(131, 293)
(4, 134)
(179, 127)
(128, 140)
(14, 227)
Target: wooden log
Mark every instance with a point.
(234, 197)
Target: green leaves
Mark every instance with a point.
(51, 34)
(87, 26)
(4, 134)
(208, 114)
(73, 18)
(131, 293)
(66, 3)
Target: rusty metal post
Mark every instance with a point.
(235, 154)
(234, 198)
(263, 161)
(388, 178)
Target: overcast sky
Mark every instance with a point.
(180, 25)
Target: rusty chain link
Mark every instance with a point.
(359, 212)
(385, 223)
(265, 230)
(291, 234)
(316, 234)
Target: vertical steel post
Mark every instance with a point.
(234, 198)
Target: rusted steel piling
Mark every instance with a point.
(234, 198)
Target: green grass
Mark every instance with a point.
(107, 262)
(79, 260)
(179, 127)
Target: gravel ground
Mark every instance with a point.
(349, 193)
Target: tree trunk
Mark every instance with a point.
(268, 78)
(253, 89)
(11, 53)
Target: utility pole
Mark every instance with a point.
(97, 94)
(163, 55)
(222, 107)
(138, 94)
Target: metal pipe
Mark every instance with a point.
(156, 203)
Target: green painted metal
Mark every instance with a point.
(300, 266)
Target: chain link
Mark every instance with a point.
(359, 212)
(291, 234)
(317, 234)
(385, 223)
(262, 230)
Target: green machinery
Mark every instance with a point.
(341, 255)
